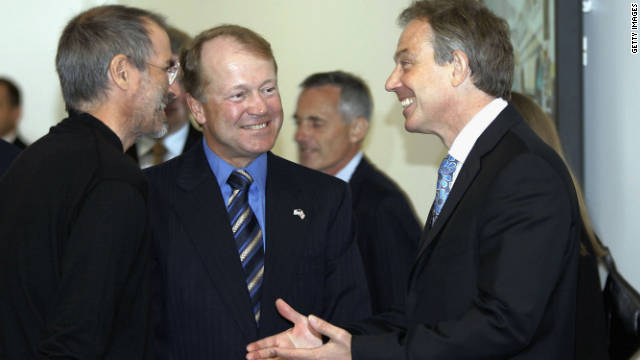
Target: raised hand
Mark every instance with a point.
(338, 348)
(301, 335)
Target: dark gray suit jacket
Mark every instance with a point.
(312, 262)
(7, 153)
(388, 233)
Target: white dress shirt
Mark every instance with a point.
(463, 143)
(346, 172)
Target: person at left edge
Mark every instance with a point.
(75, 269)
(10, 112)
(205, 309)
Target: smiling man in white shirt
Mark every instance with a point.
(496, 269)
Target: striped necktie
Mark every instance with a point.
(247, 235)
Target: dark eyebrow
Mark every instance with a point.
(311, 118)
(273, 81)
(400, 53)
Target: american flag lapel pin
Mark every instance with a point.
(299, 213)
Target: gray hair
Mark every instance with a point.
(355, 97)
(91, 40)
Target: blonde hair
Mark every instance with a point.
(542, 125)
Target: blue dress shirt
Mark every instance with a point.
(258, 171)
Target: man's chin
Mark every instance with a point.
(161, 132)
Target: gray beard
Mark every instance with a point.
(160, 133)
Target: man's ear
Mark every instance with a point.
(461, 69)
(358, 129)
(197, 109)
(119, 70)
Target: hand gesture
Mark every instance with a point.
(301, 335)
(303, 341)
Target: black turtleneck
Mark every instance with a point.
(74, 248)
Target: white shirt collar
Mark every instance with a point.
(346, 172)
(463, 143)
(176, 141)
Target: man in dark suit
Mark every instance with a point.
(495, 276)
(7, 153)
(181, 134)
(234, 226)
(332, 118)
(75, 265)
(10, 111)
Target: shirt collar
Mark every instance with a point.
(174, 143)
(463, 143)
(222, 169)
(346, 172)
(97, 124)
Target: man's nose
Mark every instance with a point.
(258, 105)
(393, 81)
(301, 132)
(173, 90)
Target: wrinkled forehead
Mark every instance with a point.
(225, 55)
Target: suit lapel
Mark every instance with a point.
(285, 232)
(465, 178)
(205, 220)
(487, 141)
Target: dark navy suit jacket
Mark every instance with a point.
(388, 233)
(496, 275)
(312, 261)
(7, 153)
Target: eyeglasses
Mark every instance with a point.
(171, 70)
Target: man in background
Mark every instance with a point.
(74, 238)
(10, 111)
(235, 226)
(332, 118)
(181, 134)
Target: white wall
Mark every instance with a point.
(360, 36)
(612, 130)
(30, 30)
(307, 36)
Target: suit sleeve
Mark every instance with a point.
(346, 297)
(525, 244)
(99, 259)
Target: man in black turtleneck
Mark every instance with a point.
(74, 243)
